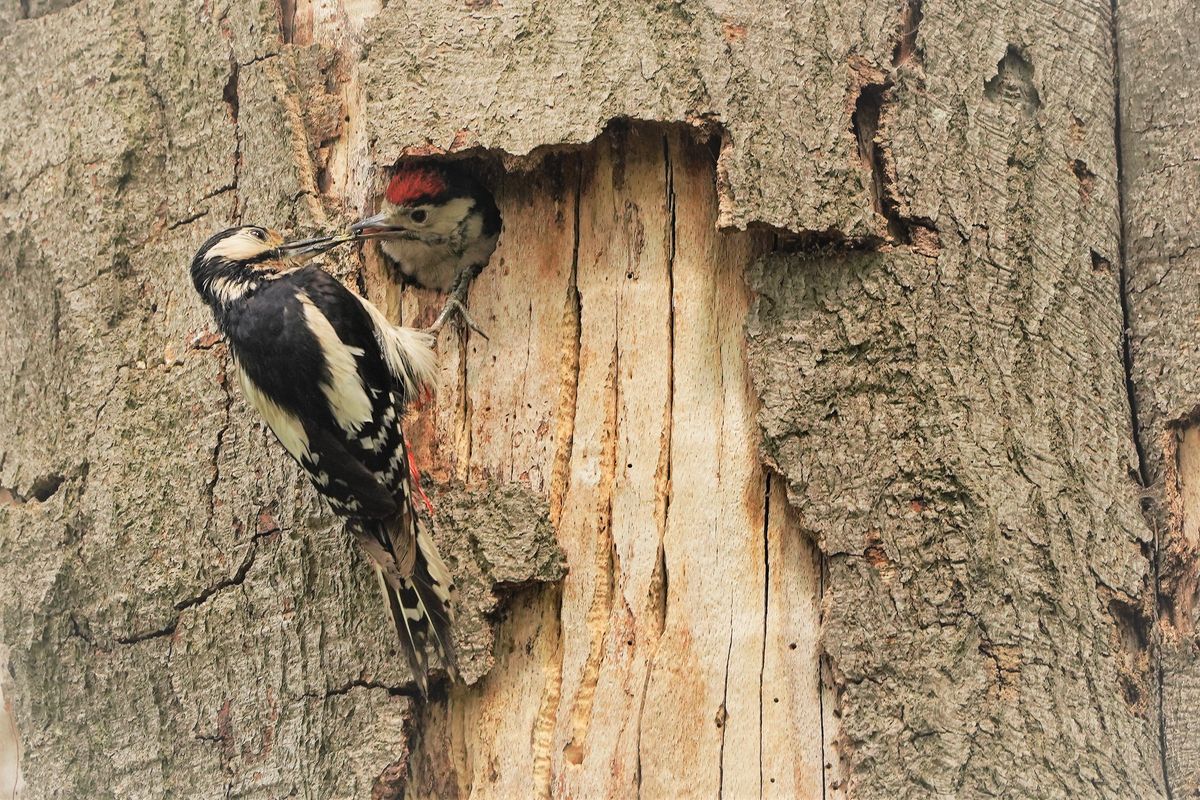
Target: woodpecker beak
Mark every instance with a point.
(304, 249)
(379, 222)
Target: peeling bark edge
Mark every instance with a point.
(707, 131)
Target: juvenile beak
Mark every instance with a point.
(378, 221)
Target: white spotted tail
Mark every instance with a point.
(418, 588)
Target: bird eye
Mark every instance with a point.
(259, 233)
(419, 215)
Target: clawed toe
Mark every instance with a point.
(454, 306)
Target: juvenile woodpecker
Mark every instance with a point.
(332, 377)
(440, 226)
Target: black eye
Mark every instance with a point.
(259, 233)
(418, 215)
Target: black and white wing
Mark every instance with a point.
(332, 378)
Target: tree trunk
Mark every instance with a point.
(1159, 142)
(807, 360)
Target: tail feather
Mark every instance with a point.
(410, 644)
(434, 589)
(422, 611)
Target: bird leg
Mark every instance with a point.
(457, 303)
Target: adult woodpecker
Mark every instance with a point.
(439, 225)
(332, 377)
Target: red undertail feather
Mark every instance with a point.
(416, 477)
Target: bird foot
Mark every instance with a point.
(454, 305)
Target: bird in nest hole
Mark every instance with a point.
(439, 225)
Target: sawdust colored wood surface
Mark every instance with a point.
(679, 655)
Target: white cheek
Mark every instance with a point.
(445, 220)
(432, 266)
(473, 228)
(239, 247)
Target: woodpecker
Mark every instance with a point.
(440, 226)
(332, 378)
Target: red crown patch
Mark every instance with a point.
(409, 186)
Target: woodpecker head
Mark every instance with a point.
(430, 202)
(236, 260)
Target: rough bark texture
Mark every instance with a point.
(516, 76)
(988, 589)
(1161, 173)
(858, 517)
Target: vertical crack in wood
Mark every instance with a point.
(287, 20)
(299, 144)
(600, 609)
(762, 667)
(464, 416)
(876, 89)
(1123, 280)
(662, 474)
(230, 95)
(906, 42)
(211, 486)
(723, 712)
(559, 478)
(822, 569)
(864, 122)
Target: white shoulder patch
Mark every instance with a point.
(285, 425)
(344, 389)
(408, 351)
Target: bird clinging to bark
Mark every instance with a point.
(332, 378)
(439, 225)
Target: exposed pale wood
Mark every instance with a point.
(612, 706)
(1180, 579)
(611, 524)
(1189, 484)
(702, 720)
(796, 737)
(515, 405)
(10, 743)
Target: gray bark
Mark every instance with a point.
(807, 360)
(1159, 142)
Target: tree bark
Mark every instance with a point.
(807, 361)
(1160, 174)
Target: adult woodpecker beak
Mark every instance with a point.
(304, 249)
